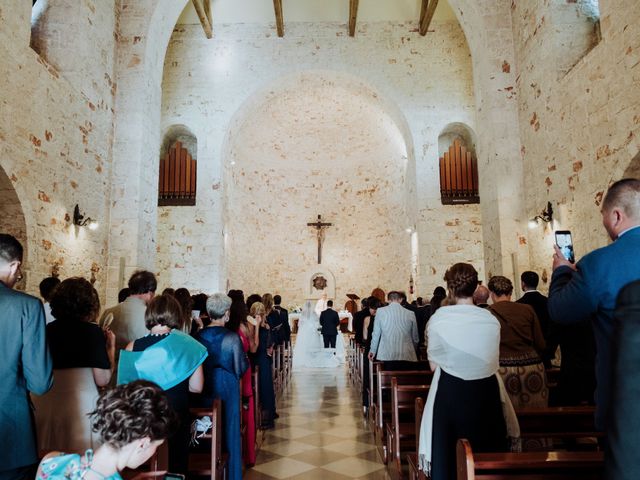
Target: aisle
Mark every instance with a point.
(320, 434)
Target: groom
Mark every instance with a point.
(329, 320)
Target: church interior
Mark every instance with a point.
(200, 139)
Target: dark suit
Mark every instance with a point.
(539, 304)
(284, 320)
(329, 321)
(622, 461)
(275, 324)
(25, 366)
(591, 292)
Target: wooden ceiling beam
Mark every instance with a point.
(277, 6)
(426, 14)
(203, 9)
(353, 15)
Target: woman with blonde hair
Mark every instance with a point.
(521, 346)
(466, 398)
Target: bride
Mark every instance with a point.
(308, 350)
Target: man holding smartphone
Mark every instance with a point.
(589, 288)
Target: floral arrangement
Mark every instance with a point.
(294, 308)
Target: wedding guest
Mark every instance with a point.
(25, 367)
(273, 319)
(531, 296)
(169, 291)
(439, 294)
(183, 297)
(199, 304)
(263, 359)
(132, 420)
(46, 287)
(223, 369)
(171, 359)
(284, 317)
(367, 330)
(358, 321)
(521, 345)
(481, 296)
(395, 334)
(463, 349)
(249, 335)
(123, 294)
(128, 317)
(83, 358)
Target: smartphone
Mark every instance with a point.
(565, 244)
(173, 476)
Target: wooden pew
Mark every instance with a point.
(527, 465)
(412, 458)
(210, 463)
(402, 434)
(383, 399)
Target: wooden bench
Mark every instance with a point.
(527, 465)
(383, 400)
(403, 431)
(211, 463)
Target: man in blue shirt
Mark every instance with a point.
(589, 289)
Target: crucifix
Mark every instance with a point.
(319, 225)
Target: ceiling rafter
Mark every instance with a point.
(277, 6)
(353, 15)
(426, 14)
(203, 9)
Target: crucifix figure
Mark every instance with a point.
(319, 225)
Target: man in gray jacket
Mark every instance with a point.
(25, 366)
(395, 334)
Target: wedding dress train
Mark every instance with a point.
(308, 350)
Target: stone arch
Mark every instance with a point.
(12, 219)
(456, 130)
(259, 161)
(183, 134)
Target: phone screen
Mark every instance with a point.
(565, 244)
(173, 476)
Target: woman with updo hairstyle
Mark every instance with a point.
(173, 360)
(132, 421)
(466, 398)
(82, 355)
(521, 347)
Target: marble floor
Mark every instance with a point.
(321, 433)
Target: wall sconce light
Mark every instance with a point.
(80, 220)
(546, 216)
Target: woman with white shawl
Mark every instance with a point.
(467, 398)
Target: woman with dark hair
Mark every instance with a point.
(82, 355)
(439, 294)
(183, 297)
(224, 368)
(521, 347)
(466, 398)
(374, 304)
(173, 360)
(249, 335)
(133, 420)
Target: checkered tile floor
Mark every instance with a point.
(321, 433)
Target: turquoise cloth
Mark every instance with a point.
(69, 467)
(166, 363)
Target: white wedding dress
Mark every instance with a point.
(308, 350)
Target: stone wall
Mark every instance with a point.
(581, 128)
(56, 132)
(426, 83)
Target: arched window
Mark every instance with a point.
(178, 169)
(458, 166)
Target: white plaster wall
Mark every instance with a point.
(428, 80)
(579, 133)
(56, 134)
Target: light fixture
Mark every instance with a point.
(82, 221)
(546, 216)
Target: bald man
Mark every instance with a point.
(588, 289)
